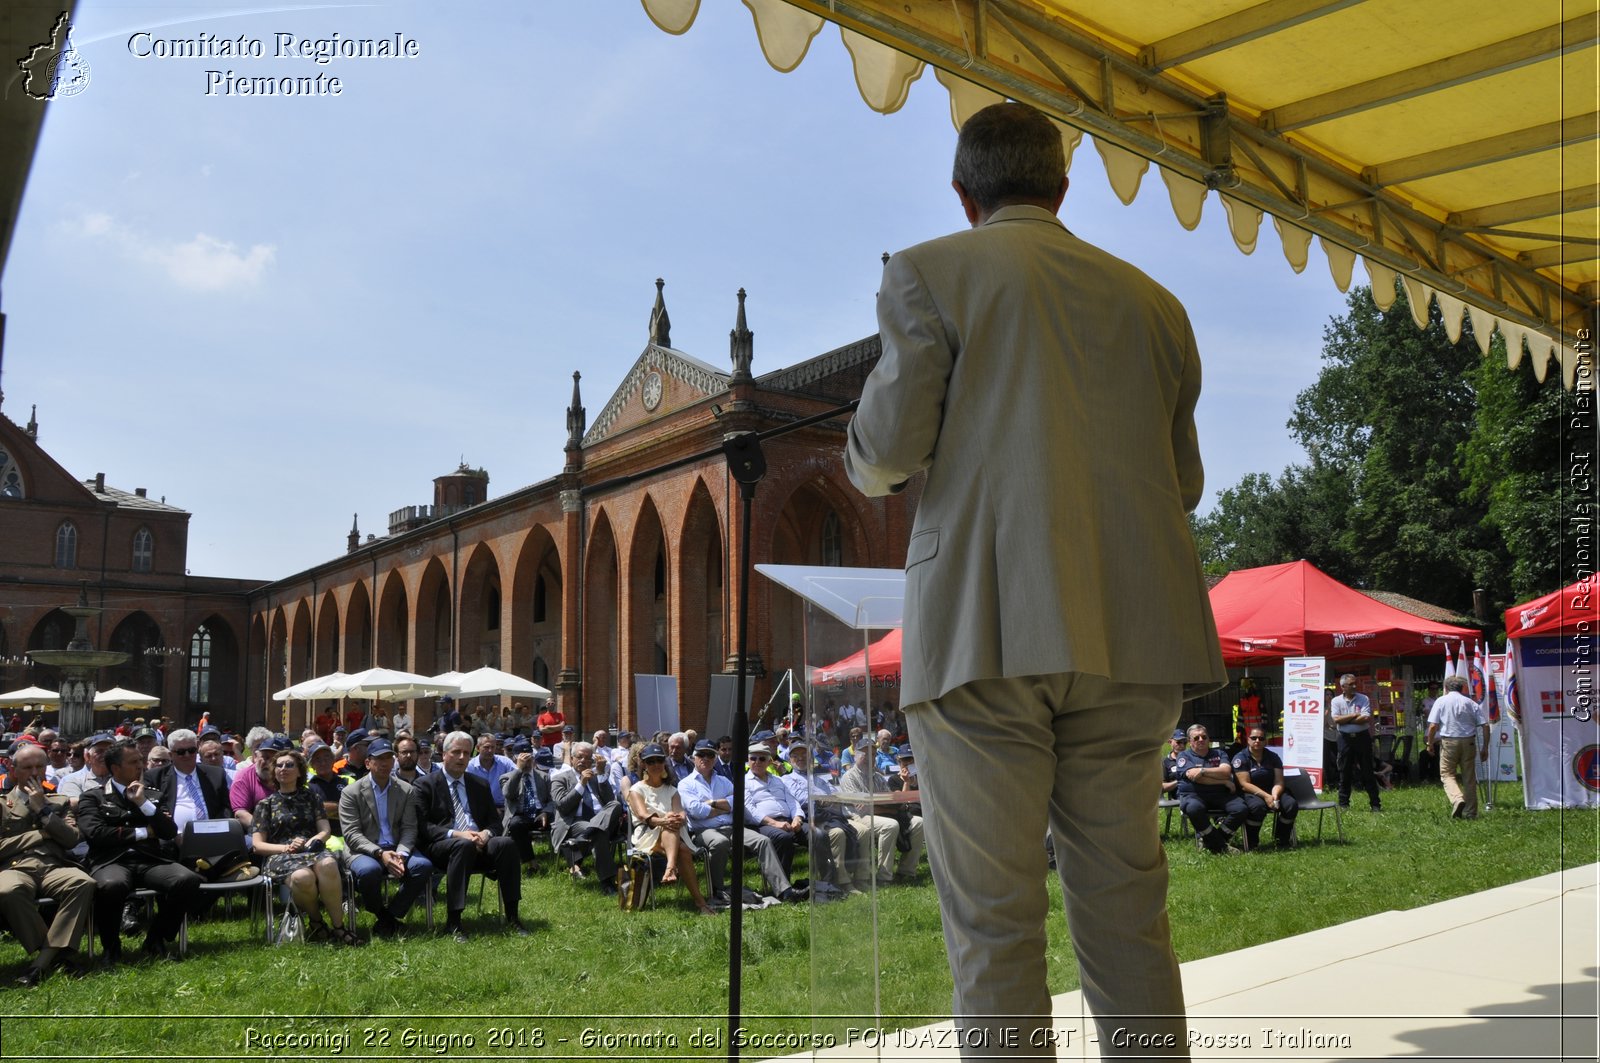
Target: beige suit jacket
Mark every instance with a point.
(1048, 389)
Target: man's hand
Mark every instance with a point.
(392, 863)
(136, 791)
(37, 800)
(524, 762)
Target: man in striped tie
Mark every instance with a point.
(463, 833)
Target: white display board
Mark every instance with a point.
(1304, 683)
(657, 698)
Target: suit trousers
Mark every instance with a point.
(461, 858)
(882, 835)
(178, 889)
(69, 887)
(1000, 759)
(1355, 758)
(369, 875)
(1460, 754)
(718, 841)
(598, 836)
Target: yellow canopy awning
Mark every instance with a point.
(1451, 143)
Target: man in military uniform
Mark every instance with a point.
(37, 833)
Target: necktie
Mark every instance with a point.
(463, 817)
(591, 803)
(192, 784)
(530, 797)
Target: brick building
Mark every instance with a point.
(185, 634)
(625, 563)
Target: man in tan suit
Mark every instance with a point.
(37, 833)
(1055, 606)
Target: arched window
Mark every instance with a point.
(491, 609)
(144, 550)
(66, 545)
(541, 672)
(10, 476)
(832, 540)
(200, 667)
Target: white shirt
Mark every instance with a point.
(769, 797)
(1457, 715)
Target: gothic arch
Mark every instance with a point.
(435, 641)
(701, 603)
(300, 642)
(394, 624)
(212, 672)
(277, 658)
(326, 657)
(602, 678)
(536, 608)
(133, 635)
(480, 610)
(356, 652)
(647, 609)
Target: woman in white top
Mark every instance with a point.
(659, 823)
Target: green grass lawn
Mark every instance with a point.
(638, 982)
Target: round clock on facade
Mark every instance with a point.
(652, 391)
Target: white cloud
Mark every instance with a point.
(210, 265)
(202, 264)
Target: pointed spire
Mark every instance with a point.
(33, 423)
(355, 524)
(741, 345)
(660, 323)
(577, 420)
(354, 542)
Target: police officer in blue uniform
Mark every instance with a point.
(1259, 773)
(1206, 785)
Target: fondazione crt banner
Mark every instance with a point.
(1560, 722)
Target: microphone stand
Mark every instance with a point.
(747, 465)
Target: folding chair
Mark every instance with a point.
(216, 841)
(1299, 786)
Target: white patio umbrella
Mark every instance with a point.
(387, 684)
(492, 682)
(44, 699)
(313, 689)
(120, 698)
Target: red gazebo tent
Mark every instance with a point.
(1571, 609)
(884, 655)
(1293, 610)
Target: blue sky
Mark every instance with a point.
(278, 312)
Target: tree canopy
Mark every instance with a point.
(1430, 469)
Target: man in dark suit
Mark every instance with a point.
(461, 831)
(188, 789)
(133, 845)
(589, 818)
(378, 817)
(528, 808)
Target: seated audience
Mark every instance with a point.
(1206, 787)
(133, 845)
(462, 833)
(37, 835)
(1259, 773)
(526, 792)
(291, 830)
(893, 828)
(589, 818)
(378, 816)
(660, 825)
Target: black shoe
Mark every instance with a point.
(517, 929)
(387, 925)
(457, 932)
(132, 918)
(1457, 810)
(31, 976)
(157, 949)
(794, 895)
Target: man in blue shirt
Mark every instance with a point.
(490, 766)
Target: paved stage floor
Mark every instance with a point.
(1512, 973)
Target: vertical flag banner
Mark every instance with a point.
(1304, 683)
(1449, 661)
(1560, 729)
(1513, 706)
(1463, 667)
(1502, 725)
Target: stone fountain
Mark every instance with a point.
(80, 664)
